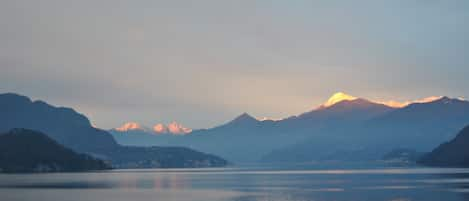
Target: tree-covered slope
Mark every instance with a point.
(23, 150)
(454, 153)
(73, 130)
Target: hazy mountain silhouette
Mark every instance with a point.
(454, 153)
(23, 150)
(420, 126)
(345, 128)
(343, 113)
(246, 139)
(74, 130)
(64, 125)
(357, 109)
(242, 120)
(238, 140)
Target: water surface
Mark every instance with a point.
(314, 182)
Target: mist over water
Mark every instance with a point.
(338, 182)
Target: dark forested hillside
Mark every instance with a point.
(454, 153)
(23, 150)
(74, 130)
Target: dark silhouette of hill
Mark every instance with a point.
(73, 130)
(64, 125)
(454, 153)
(23, 150)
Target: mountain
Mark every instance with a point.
(337, 98)
(328, 132)
(345, 127)
(173, 128)
(246, 139)
(64, 125)
(131, 126)
(237, 140)
(420, 126)
(74, 130)
(346, 111)
(23, 150)
(242, 120)
(454, 153)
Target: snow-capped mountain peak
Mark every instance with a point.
(340, 96)
(159, 128)
(129, 126)
(336, 98)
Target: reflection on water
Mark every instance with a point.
(242, 184)
(155, 181)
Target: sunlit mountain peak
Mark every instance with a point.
(173, 128)
(397, 104)
(160, 128)
(178, 129)
(428, 99)
(394, 104)
(269, 119)
(129, 126)
(338, 97)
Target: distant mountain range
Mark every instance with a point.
(173, 128)
(343, 128)
(73, 130)
(419, 126)
(23, 150)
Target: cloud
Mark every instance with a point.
(218, 59)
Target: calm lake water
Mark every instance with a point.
(316, 183)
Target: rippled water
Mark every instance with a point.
(243, 184)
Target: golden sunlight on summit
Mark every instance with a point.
(338, 97)
(397, 104)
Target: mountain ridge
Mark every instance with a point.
(23, 150)
(453, 153)
(74, 131)
(348, 127)
(173, 128)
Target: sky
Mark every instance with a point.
(202, 63)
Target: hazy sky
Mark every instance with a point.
(204, 62)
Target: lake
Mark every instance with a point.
(251, 183)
